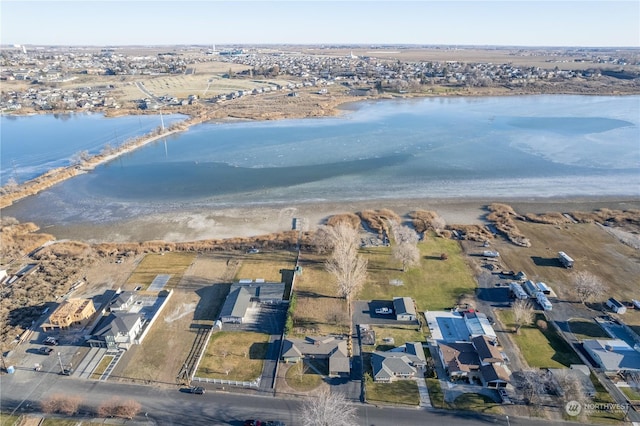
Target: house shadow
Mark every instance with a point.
(258, 350)
(546, 261)
(210, 303)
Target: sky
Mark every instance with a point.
(471, 23)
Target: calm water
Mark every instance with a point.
(32, 145)
(534, 146)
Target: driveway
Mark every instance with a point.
(364, 312)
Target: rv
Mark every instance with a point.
(531, 288)
(517, 291)
(543, 301)
(565, 260)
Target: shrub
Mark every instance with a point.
(542, 325)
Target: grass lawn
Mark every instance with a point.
(436, 394)
(49, 421)
(540, 348)
(400, 392)
(234, 355)
(631, 393)
(434, 285)
(266, 265)
(477, 402)
(9, 420)
(302, 378)
(603, 397)
(318, 309)
(171, 263)
(102, 366)
(584, 329)
(400, 337)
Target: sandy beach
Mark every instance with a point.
(192, 225)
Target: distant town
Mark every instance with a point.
(38, 78)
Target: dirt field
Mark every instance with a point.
(593, 250)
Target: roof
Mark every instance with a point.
(416, 349)
(116, 323)
(334, 348)
(487, 351)
(404, 305)
(492, 373)
(478, 324)
(459, 356)
(236, 303)
(386, 365)
(613, 354)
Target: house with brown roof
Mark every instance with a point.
(460, 361)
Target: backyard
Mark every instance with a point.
(540, 348)
(171, 263)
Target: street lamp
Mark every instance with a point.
(508, 424)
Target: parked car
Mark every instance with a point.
(504, 396)
(273, 423)
(67, 372)
(45, 350)
(50, 341)
(384, 311)
(197, 390)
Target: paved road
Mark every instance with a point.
(168, 406)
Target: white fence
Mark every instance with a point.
(253, 384)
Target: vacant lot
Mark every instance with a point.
(173, 263)
(400, 336)
(265, 265)
(400, 392)
(435, 284)
(592, 248)
(540, 348)
(318, 309)
(234, 355)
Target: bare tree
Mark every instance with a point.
(570, 386)
(405, 249)
(348, 269)
(64, 404)
(532, 384)
(407, 254)
(128, 409)
(328, 409)
(523, 314)
(323, 239)
(588, 287)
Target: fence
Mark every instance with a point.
(253, 384)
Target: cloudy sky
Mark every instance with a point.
(478, 22)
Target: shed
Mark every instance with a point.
(616, 306)
(404, 308)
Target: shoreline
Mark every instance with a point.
(197, 224)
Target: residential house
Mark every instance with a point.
(404, 308)
(460, 360)
(613, 355)
(406, 363)
(331, 348)
(122, 301)
(245, 294)
(71, 312)
(116, 331)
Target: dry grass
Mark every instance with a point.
(615, 217)
(472, 232)
(553, 218)
(422, 220)
(237, 355)
(593, 249)
(378, 220)
(174, 264)
(265, 265)
(318, 309)
(503, 217)
(351, 219)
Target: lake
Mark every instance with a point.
(486, 148)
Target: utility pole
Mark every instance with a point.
(61, 366)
